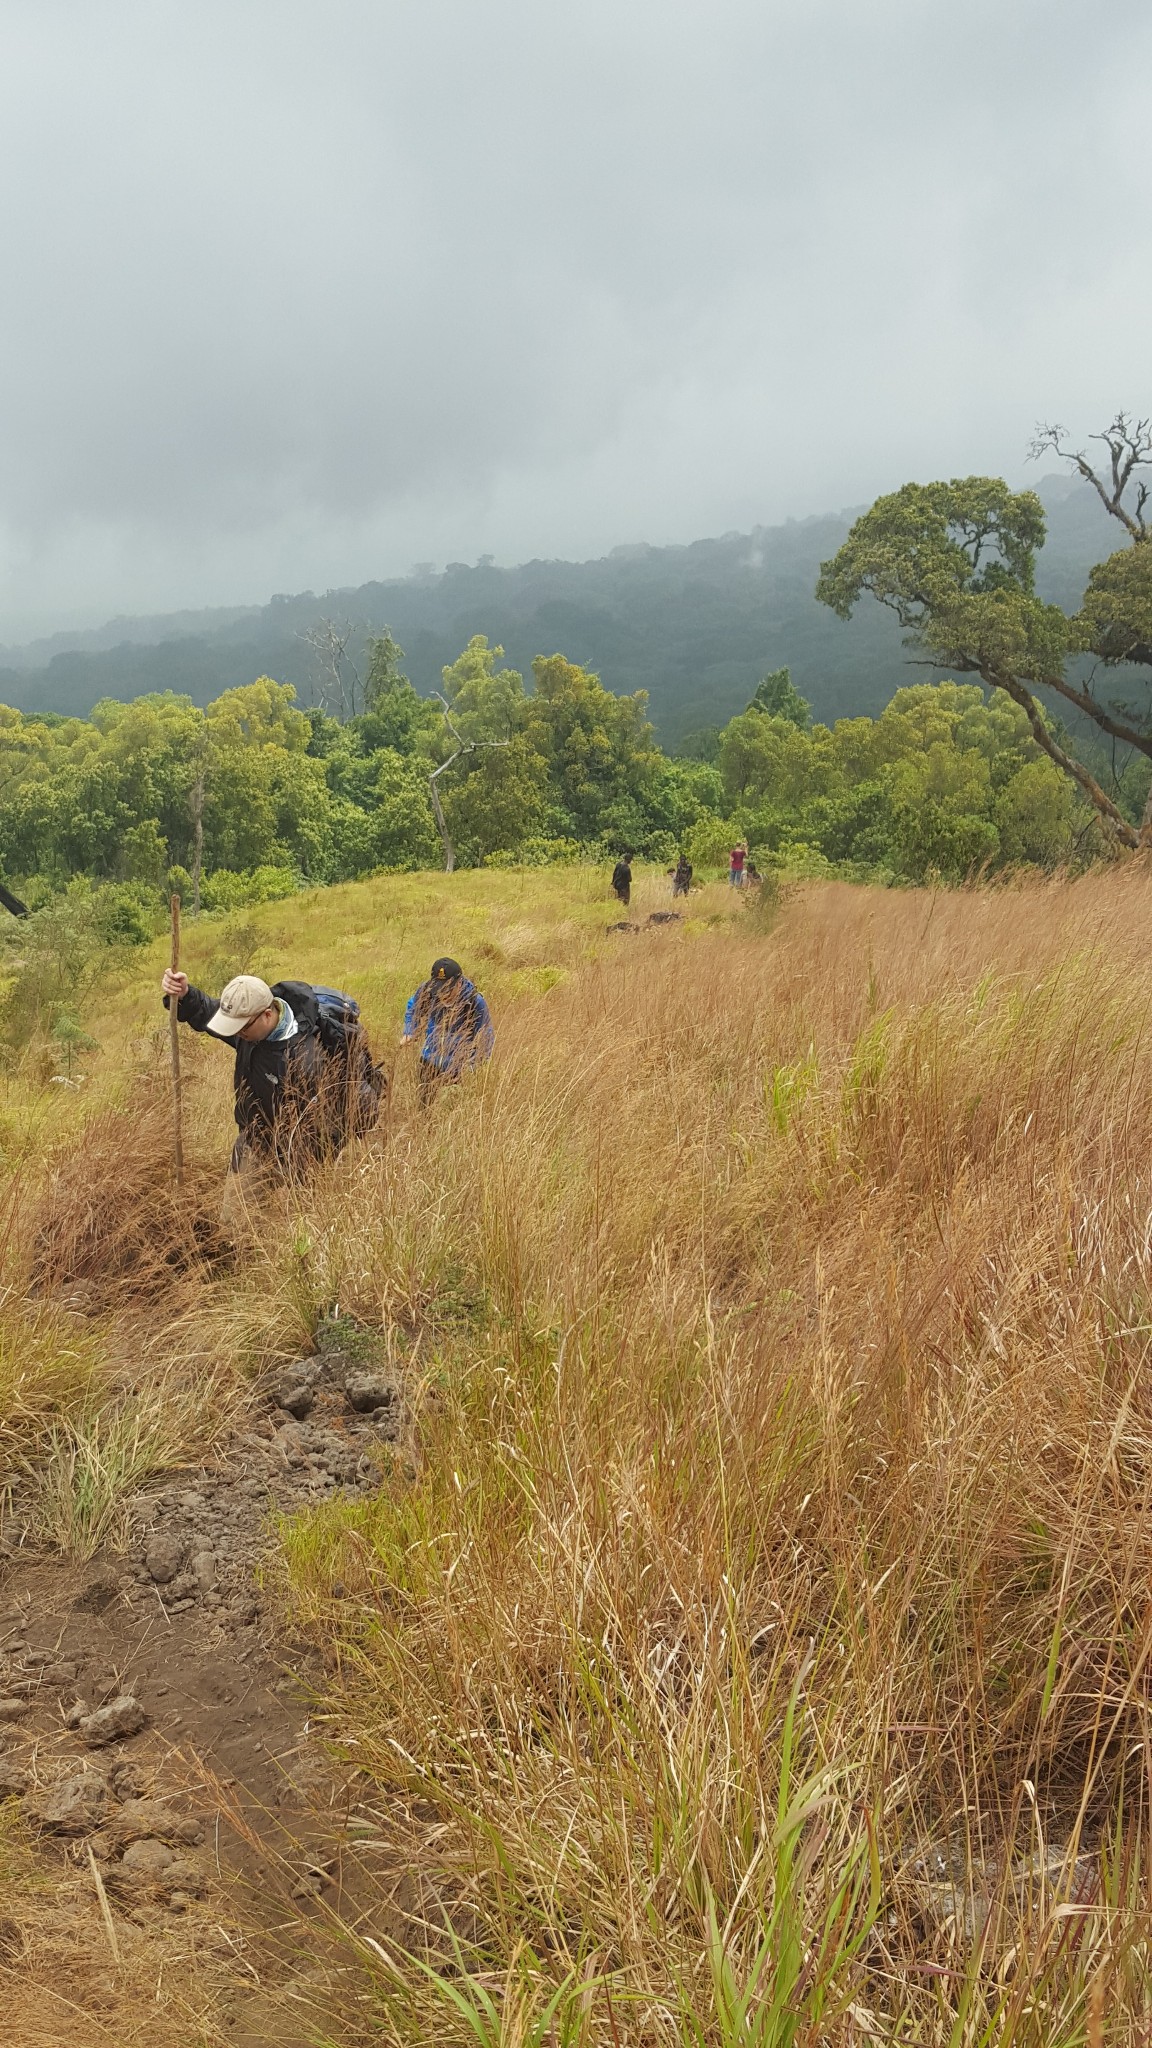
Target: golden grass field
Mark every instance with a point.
(760, 1654)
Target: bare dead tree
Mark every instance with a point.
(339, 682)
(196, 807)
(463, 746)
(1129, 445)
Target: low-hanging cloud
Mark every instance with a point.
(300, 295)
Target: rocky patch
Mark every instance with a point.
(325, 1425)
(156, 1727)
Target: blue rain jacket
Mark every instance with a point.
(457, 1028)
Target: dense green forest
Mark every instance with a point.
(255, 796)
(695, 627)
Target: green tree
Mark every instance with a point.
(956, 563)
(1035, 815)
(763, 757)
(395, 716)
(497, 801)
(487, 703)
(777, 695)
(599, 750)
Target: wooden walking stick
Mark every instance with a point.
(174, 1028)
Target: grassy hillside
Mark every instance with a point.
(759, 1649)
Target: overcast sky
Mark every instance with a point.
(301, 292)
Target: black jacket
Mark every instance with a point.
(290, 1096)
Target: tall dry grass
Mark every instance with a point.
(780, 1310)
(129, 1327)
(765, 1634)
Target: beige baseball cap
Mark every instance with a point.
(244, 998)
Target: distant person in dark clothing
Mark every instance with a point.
(682, 876)
(622, 880)
(456, 1024)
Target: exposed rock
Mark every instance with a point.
(297, 1399)
(203, 1568)
(129, 1779)
(151, 1863)
(368, 1391)
(77, 1807)
(147, 1860)
(59, 1674)
(184, 1875)
(13, 1780)
(12, 1709)
(122, 1716)
(184, 1586)
(164, 1556)
(143, 1819)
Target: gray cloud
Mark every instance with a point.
(299, 294)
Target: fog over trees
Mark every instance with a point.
(695, 626)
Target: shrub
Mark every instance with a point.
(226, 890)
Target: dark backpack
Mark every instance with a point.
(343, 1037)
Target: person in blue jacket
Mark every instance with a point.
(452, 1015)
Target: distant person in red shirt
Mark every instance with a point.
(736, 859)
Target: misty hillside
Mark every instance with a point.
(695, 626)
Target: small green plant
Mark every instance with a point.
(90, 1466)
(73, 1040)
(803, 1946)
(786, 1089)
(519, 2011)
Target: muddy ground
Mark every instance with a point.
(168, 1800)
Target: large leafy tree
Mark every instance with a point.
(602, 759)
(956, 563)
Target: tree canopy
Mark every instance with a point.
(262, 796)
(956, 563)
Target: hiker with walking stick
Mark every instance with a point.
(304, 1078)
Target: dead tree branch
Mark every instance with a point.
(463, 746)
(1129, 445)
(339, 679)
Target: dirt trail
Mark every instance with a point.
(155, 1737)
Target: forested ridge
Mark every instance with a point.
(695, 626)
